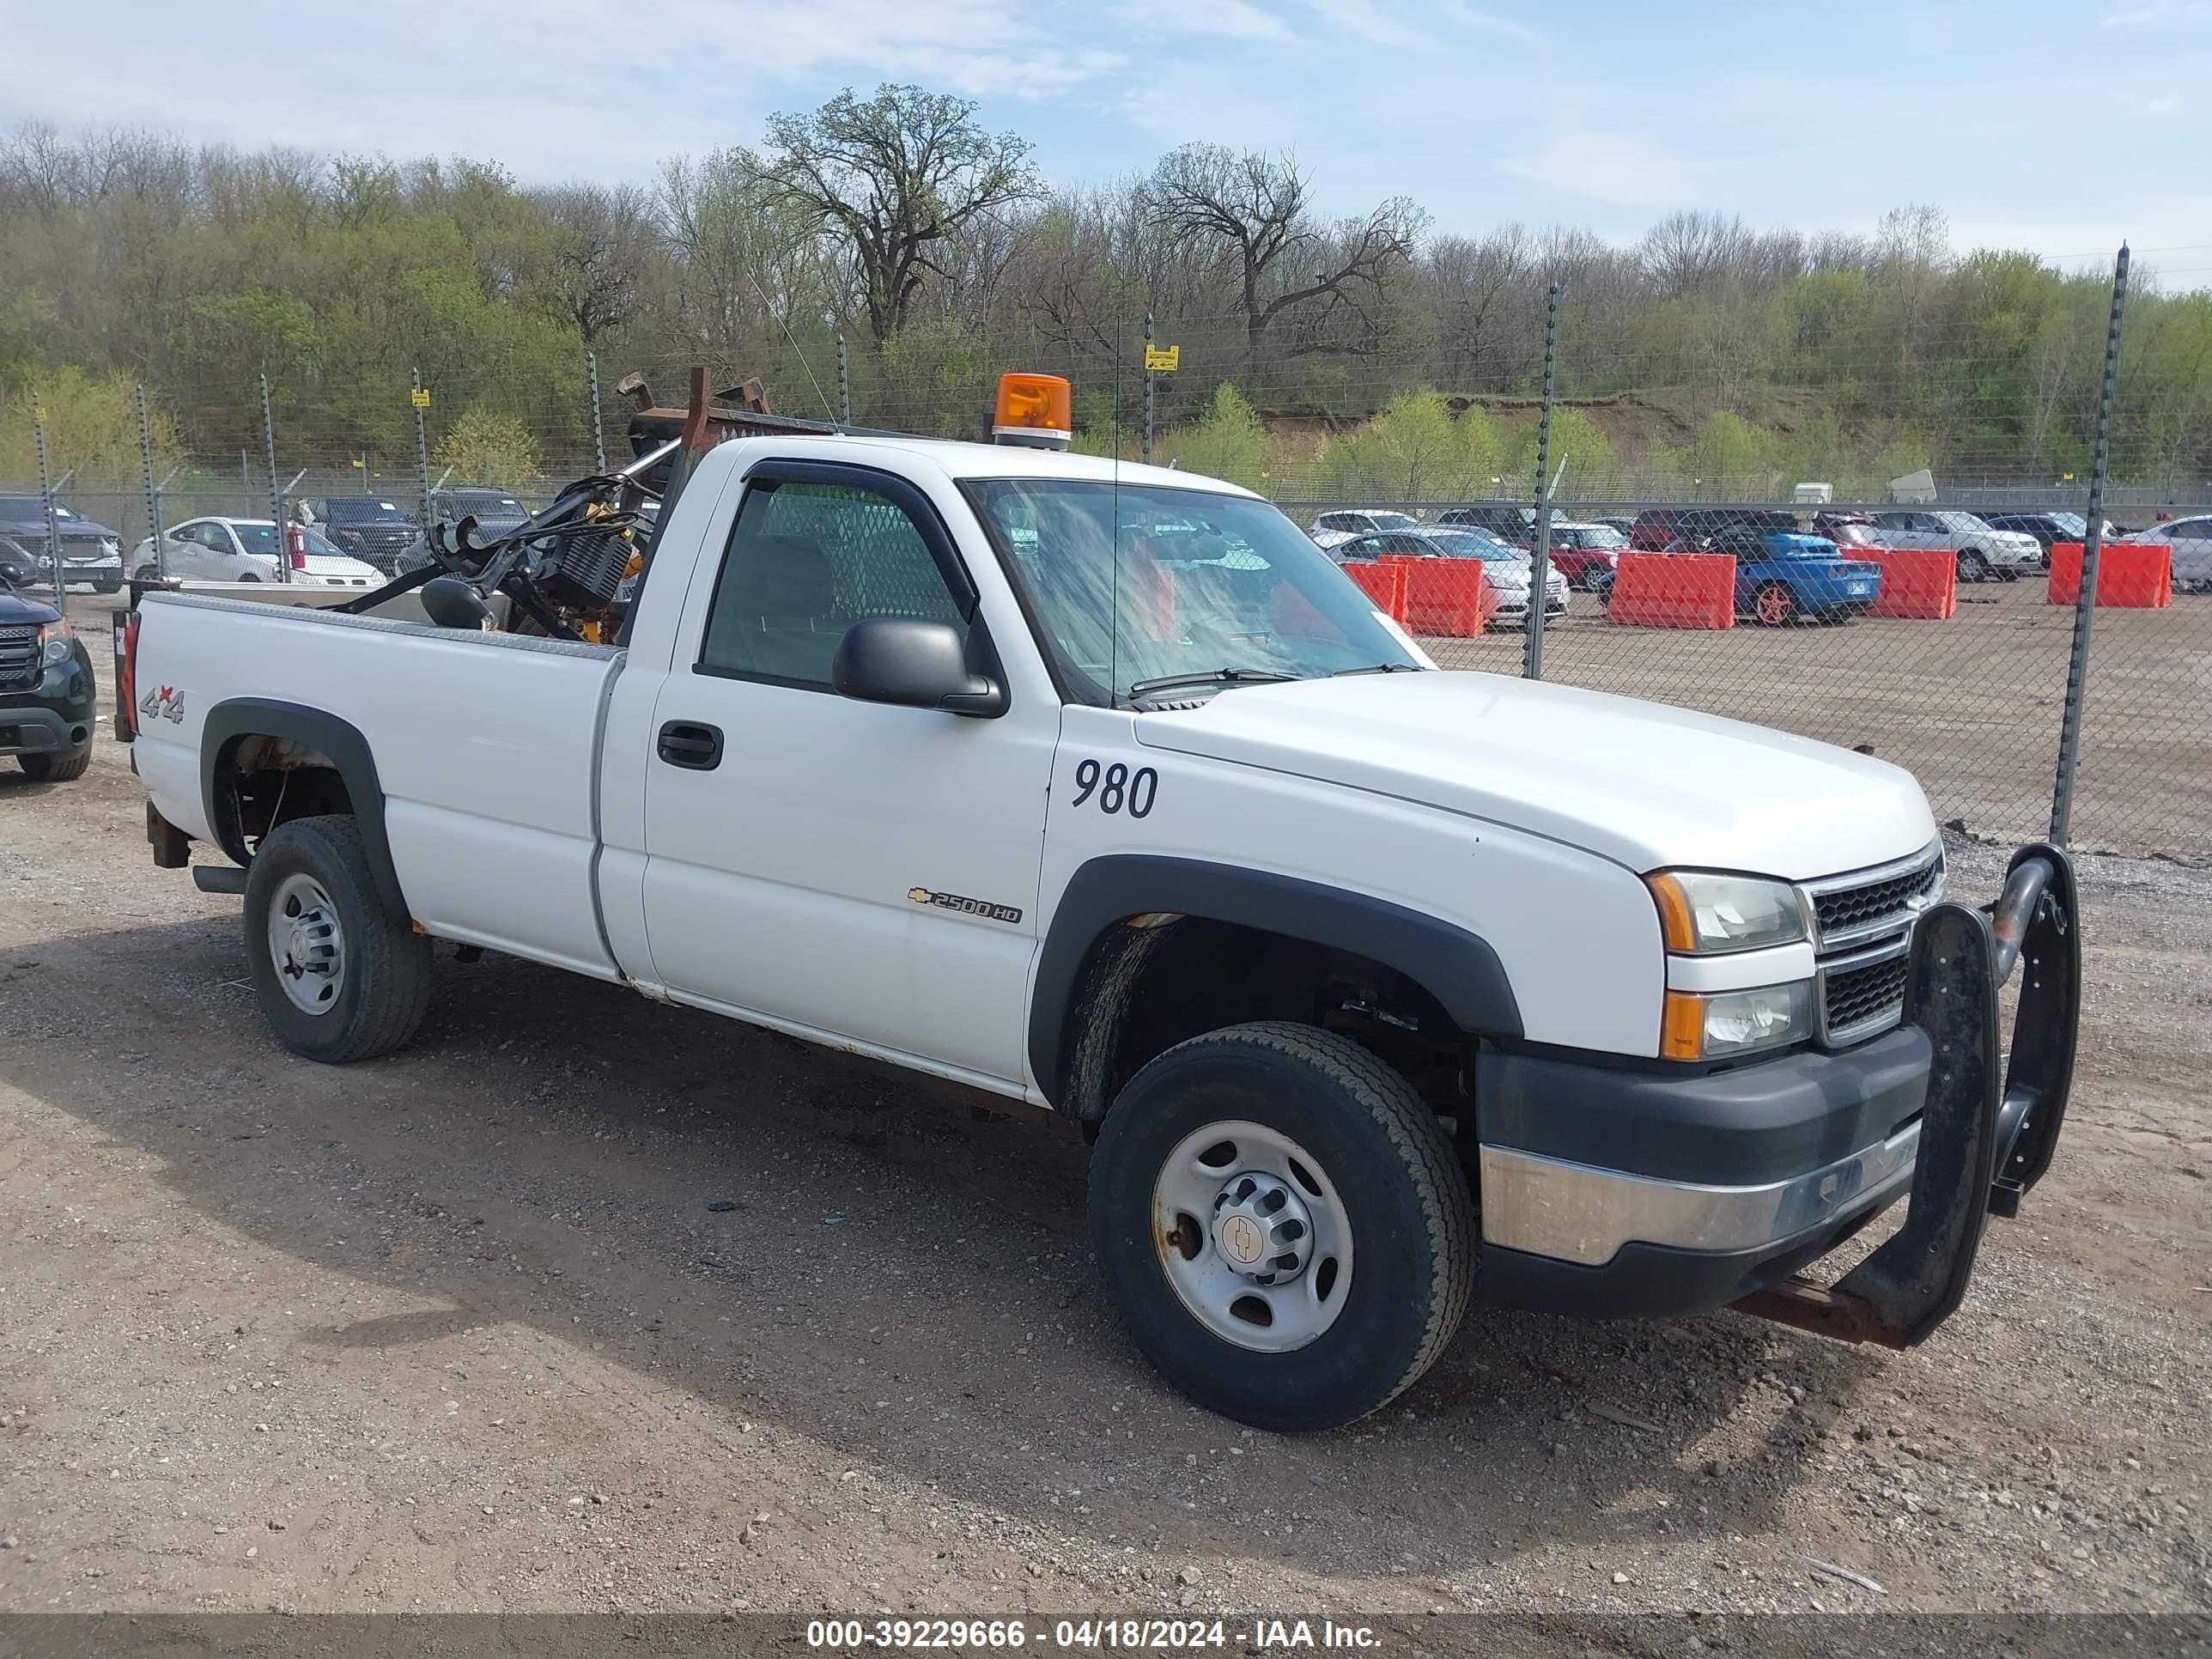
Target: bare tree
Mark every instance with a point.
(896, 174)
(600, 243)
(1255, 210)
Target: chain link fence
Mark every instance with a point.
(1878, 544)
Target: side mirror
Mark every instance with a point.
(916, 664)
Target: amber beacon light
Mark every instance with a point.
(1037, 410)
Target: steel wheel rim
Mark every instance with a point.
(1200, 1198)
(307, 945)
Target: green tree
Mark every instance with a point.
(1228, 441)
(484, 446)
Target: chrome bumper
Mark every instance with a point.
(1580, 1213)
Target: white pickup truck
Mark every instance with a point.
(1100, 787)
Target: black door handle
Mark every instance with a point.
(686, 743)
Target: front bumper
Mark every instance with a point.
(1612, 1191)
(27, 729)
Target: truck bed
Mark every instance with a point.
(486, 747)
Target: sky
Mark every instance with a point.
(2059, 127)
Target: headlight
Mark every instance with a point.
(113, 550)
(1703, 913)
(1717, 1024)
(54, 641)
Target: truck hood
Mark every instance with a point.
(1646, 785)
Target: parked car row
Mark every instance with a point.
(223, 550)
(90, 552)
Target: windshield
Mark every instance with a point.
(1394, 520)
(256, 538)
(1851, 535)
(359, 508)
(2072, 522)
(313, 541)
(1472, 545)
(1964, 523)
(486, 504)
(1194, 583)
(1603, 535)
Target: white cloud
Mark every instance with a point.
(2160, 14)
(1628, 167)
(1230, 20)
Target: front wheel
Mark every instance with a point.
(1282, 1223)
(1972, 567)
(340, 977)
(49, 768)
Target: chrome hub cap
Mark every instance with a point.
(1253, 1236)
(307, 945)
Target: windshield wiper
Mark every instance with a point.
(1380, 668)
(1232, 676)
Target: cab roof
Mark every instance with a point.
(956, 459)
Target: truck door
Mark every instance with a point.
(854, 870)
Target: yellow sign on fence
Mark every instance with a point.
(1165, 358)
(420, 397)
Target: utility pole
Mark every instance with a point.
(421, 399)
(153, 491)
(46, 497)
(275, 495)
(1540, 561)
(598, 430)
(1148, 388)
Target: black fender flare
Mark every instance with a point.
(1456, 967)
(231, 722)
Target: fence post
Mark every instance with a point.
(2084, 602)
(844, 385)
(46, 501)
(1149, 384)
(1539, 557)
(598, 431)
(152, 491)
(423, 452)
(276, 492)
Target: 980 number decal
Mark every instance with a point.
(1116, 787)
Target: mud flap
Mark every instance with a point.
(1981, 1148)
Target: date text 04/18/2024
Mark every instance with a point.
(1123, 1634)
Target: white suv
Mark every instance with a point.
(1982, 552)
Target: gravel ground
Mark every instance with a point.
(583, 1303)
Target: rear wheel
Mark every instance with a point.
(1282, 1223)
(340, 977)
(56, 768)
(1972, 567)
(1775, 604)
(146, 573)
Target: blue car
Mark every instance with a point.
(1783, 577)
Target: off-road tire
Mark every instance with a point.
(1403, 1189)
(387, 979)
(56, 768)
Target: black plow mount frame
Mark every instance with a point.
(1982, 1148)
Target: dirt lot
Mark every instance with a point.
(586, 1304)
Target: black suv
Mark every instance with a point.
(46, 691)
(1687, 529)
(91, 552)
(368, 526)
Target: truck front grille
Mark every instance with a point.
(19, 655)
(1863, 993)
(1863, 935)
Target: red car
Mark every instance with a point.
(1585, 554)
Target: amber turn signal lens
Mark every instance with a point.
(1682, 1026)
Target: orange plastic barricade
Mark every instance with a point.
(1383, 582)
(1922, 584)
(1673, 590)
(1445, 596)
(2135, 574)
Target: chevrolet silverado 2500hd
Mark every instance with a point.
(1100, 787)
